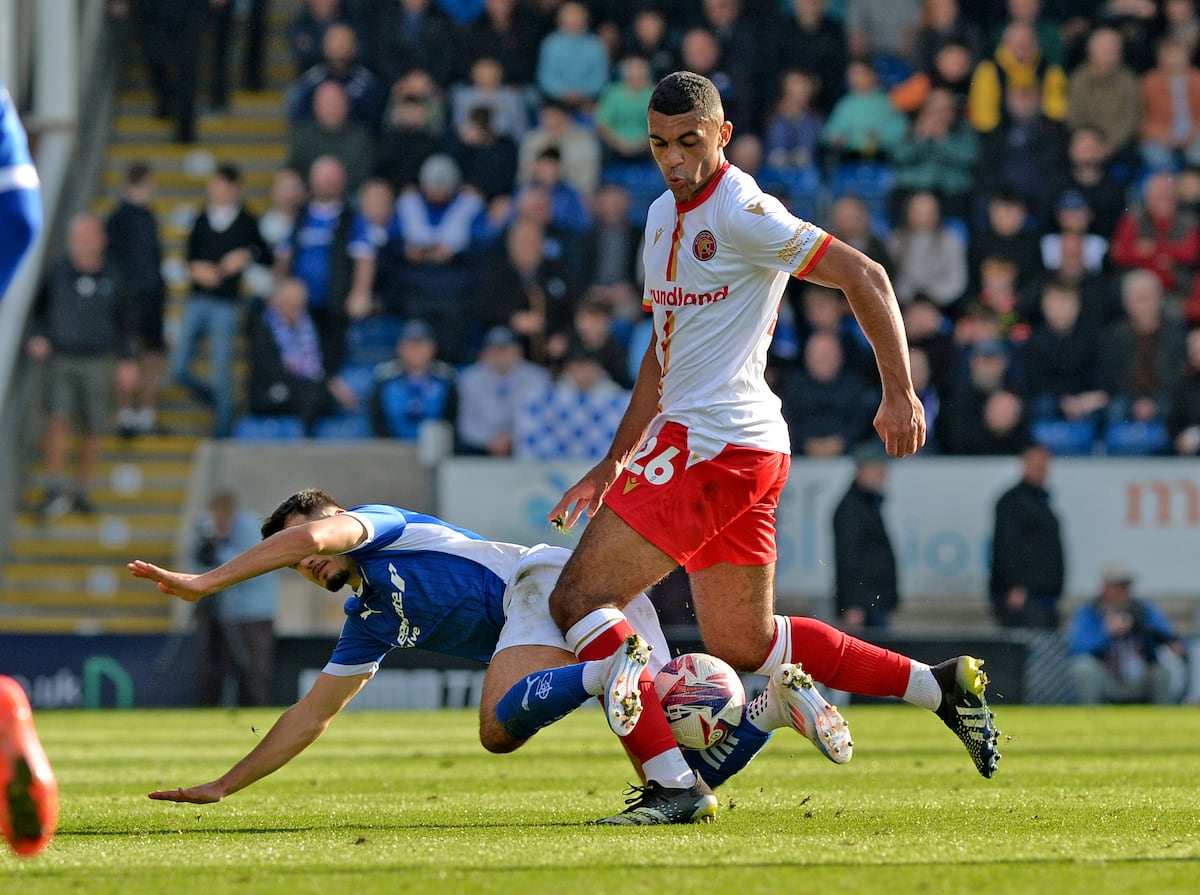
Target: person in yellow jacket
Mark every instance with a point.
(1017, 62)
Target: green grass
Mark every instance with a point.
(1086, 801)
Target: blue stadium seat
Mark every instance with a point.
(372, 340)
(800, 188)
(870, 181)
(1066, 437)
(268, 428)
(1136, 439)
(343, 427)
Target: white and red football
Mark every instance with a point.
(703, 698)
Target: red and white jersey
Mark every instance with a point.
(716, 268)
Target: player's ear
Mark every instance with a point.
(725, 133)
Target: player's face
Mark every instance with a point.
(329, 572)
(688, 150)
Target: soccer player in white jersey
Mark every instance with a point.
(20, 198)
(419, 581)
(695, 469)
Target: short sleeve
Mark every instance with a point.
(383, 524)
(767, 235)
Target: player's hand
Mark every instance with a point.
(900, 423)
(584, 495)
(177, 584)
(195, 795)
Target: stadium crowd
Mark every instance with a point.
(456, 234)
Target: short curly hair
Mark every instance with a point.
(681, 92)
(307, 503)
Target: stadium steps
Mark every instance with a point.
(69, 576)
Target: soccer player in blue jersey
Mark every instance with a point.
(20, 198)
(419, 581)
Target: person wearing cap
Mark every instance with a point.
(1123, 649)
(414, 388)
(1027, 566)
(1073, 215)
(491, 390)
(865, 589)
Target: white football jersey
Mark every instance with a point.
(716, 268)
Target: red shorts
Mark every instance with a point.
(718, 510)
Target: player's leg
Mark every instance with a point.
(526, 688)
(28, 790)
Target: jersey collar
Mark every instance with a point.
(703, 195)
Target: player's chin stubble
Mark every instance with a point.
(337, 581)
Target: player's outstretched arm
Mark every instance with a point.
(295, 731)
(589, 491)
(900, 421)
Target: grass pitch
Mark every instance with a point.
(1086, 800)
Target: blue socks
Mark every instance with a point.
(718, 763)
(541, 699)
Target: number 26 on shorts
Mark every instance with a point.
(658, 469)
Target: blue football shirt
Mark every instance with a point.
(20, 199)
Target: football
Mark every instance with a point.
(703, 698)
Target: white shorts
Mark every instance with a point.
(527, 620)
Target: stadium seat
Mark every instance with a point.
(1136, 439)
(268, 428)
(800, 188)
(1066, 437)
(870, 181)
(343, 427)
(372, 340)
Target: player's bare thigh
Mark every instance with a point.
(735, 606)
(507, 668)
(611, 566)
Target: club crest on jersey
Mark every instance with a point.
(704, 246)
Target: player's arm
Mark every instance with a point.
(588, 492)
(295, 731)
(900, 421)
(329, 535)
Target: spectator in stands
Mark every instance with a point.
(1024, 153)
(331, 131)
(931, 258)
(287, 197)
(505, 32)
(329, 249)
(850, 221)
(525, 290)
(885, 29)
(1072, 215)
(235, 628)
(1170, 102)
(592, 333)
(866, 592)
(1027, 565)
(791, 138)
(574, 417)
(1009, 233)
(827, 406)
(339, 62)
(572, 62)
(1018, 63)
(135, 250)
(1183, 415)
(649, 38)
(1182, 24)
(568, 205)
(578, 148)
(81, 326)
(1103, 93)
(20, 195)
(700, 52)
(1045, 28)
(487, 89)
(1123, 649)
(951, 70)
(1088, 175)
(611, 253)
(408, 34)
(942, 23)
(999, 294)
(409, 139)
(488, 160)
(306, 31)
(929, 331)
(1060, 363)
(931, 400)
(437, 226)
(1099, 294)
(168, 31)
(863, 123)
(620, 117)
(223, 243)
(289, 372)
(740, 54)
(937, 154)
(491, 390)
(1142, 354)
(1156, 236)
(414, 388)
(985, 414)
(813, 41)
(826, 310)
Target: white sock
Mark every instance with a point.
(763, 713)
(670, 770)
(923, 688)
(781, 647)
(595, 677)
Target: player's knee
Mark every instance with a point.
(496, 739)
